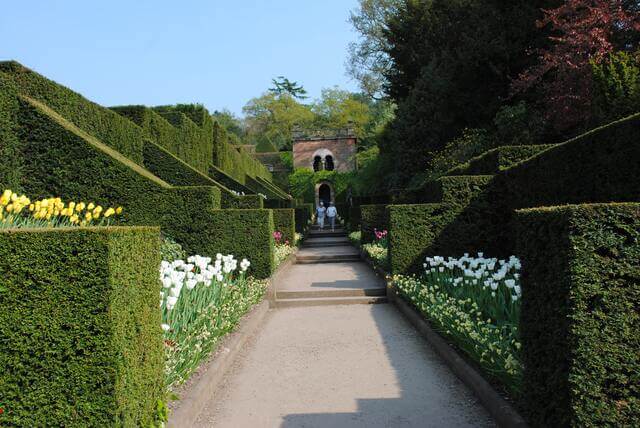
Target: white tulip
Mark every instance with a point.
(165, 327)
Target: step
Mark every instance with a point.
(326, 234)
(328, 301)
(328, 258)
(328, 241)
(348, 292)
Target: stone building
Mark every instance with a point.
(325, 152)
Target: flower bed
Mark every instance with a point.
(283, 248)
(201, 301)
(475, 302)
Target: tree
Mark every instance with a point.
(230, 122)
(583, 33)
(283, 86)
(452, 62)
(275, 117)
(368, 61)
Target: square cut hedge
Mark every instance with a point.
(285, 221)
(580, 319)
(455, 189)
(80, 337)
(244, 233)
(498, 159)
(372, 217)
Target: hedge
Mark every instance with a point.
(86, 169)
(449, 228)
(191, 138)
(454, 189)
(104, 124)
(580, 314)
(80, 337)
(372, 217)
(178, 173)
(303, 215)
(284, 221)
(11, 165)
(599, 166)
(244, 233)
(173, 130)
(498, 159)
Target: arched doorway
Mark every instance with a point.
(324, 193)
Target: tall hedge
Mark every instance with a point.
(581, 314)
(454, 189)
(80, 337)
(285, 222)
(104, 124)
(86, 169)
(599, 166)
(244, 233)
(372, 217)
(11, 164)
(498, 159)
(303, 214)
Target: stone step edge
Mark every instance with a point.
(330, 301)
(352, 292)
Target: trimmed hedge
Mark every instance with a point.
(178, 173)
(86, 169)
(244, 233)
(104, 124)
(498, 159)
(11, 165)
(80, 337)
(304, 214)
(599, 166)
(284, 221)
(454, 189)
(580, 314)
(372, 217)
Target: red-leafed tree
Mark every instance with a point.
(581, 32)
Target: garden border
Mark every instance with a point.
(210, 374)
(501, 410)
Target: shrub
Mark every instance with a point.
(303, 216)
(284, 222)
(80, 337)
(11, 165)
(372, 217)
(580, 319)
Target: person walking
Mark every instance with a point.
(332, 212)
(320, 212)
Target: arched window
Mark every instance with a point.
(328, 163)
(317, 163)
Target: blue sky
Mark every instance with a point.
(218, 53)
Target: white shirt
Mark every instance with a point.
(332, 212)
(321, 211)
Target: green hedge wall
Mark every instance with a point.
(86, 169)
(11, 164)
(284, 220)
(80, 337)
(498, 159)
(372, 217)
(178, 173)
(580, 314)
(102, 123)
(599, 166)
(454, 189)
(245, 233)
(304, 214)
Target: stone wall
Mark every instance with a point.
(343, 151)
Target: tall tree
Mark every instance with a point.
(368, 60)
(583, 33)
(283, 86)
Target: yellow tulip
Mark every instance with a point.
(44, 203)
(72, 205)
(14, 197)
(9, 208)
(73, 219)
(90, 206)
(119, 210)
(109, 212)
(88, 216)
(32, 207)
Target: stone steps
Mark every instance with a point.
(311, 294)
(327, 234)
(325, 242)
(328, 301)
